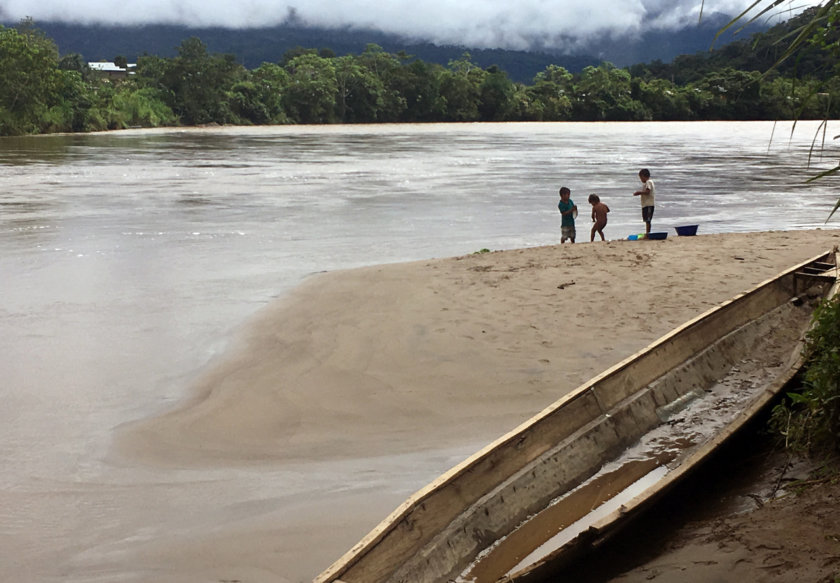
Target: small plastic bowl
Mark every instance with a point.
(657, 236)
(686, 231)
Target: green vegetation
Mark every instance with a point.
(809, 419)
(46, 92)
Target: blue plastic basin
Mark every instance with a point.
(686, 231)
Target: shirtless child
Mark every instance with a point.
(599, 216)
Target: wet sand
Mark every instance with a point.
(752, 513)
(370, 382)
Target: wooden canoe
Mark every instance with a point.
(576, 471)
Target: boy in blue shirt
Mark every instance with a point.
(568, 210)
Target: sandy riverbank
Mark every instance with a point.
(403, 359)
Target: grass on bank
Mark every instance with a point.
(809, 419)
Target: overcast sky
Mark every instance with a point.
(513, 24)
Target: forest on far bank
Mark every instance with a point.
(44, 91)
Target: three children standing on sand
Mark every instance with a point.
(568, 209)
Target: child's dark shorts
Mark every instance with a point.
(647, 214)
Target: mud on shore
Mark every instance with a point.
(753, 513)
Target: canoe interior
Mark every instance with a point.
(498, 515)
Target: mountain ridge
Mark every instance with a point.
(253, 46)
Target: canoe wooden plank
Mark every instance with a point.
(442, 527)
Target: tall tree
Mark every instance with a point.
(496, 95)
(418, 84)
(74, 62)
(385, 67)
(460, 89)
(662, 99)
(550, 94)
(730, 95)
(272, 82)
(31, 80)
(603, 93)
(311, 94)
(198, 83)
(359, 93)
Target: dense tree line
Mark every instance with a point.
(45, 92)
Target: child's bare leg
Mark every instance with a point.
(598, 228)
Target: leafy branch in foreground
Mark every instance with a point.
(812, 31)
(809, 419)
(819, 32)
